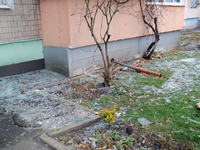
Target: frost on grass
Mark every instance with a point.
(18, 96)
(186, 74)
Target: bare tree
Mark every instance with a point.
(150, 14)
(108, 9)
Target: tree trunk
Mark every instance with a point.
(154, 28)
(151, 48)
(108, 75)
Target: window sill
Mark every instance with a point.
(165, 4)
(5, 7)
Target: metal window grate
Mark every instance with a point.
(21, 23)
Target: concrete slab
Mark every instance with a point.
(49, 137)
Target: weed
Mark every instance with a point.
(128, 142)
(118, 147)
(96, 137)
(113, 134)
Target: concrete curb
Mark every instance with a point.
(69, 79)
(52, 143)
(74, 127)
(48, 138)
(72, 103)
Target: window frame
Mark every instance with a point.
(165, 3)
(9, 4)
(194, 6)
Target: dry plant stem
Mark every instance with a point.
(91, 26)
(152, 46)
(108, 8)
(121, 2)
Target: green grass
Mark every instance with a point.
(192, 37)
(175, 55)
(172, 112)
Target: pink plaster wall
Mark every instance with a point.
(75, 32)
(55, 22)
(173, 18)
(190, 12)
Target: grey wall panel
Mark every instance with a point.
(72, 62)
(56, 59)
(83, 59)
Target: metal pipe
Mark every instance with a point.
(137, 68)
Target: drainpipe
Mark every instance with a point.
(137, 68)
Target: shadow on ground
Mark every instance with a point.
(13, 137)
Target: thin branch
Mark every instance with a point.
(118, 2)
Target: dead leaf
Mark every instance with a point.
(41, 104)
(187, 123)
(81, 103)
(125, 145)
(193, 113)
(69, 142)
(145, 127)
(22, 91)
(120, 141)
(191, 129)
(110, 147)
(124, 91)
(142, 109)
(89, 145)
(160, 123)
(185, 102)
(143, 141)
(168, 118)
(104, 136)
(104, 147)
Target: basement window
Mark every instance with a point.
(6, 4)
(193, 3)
